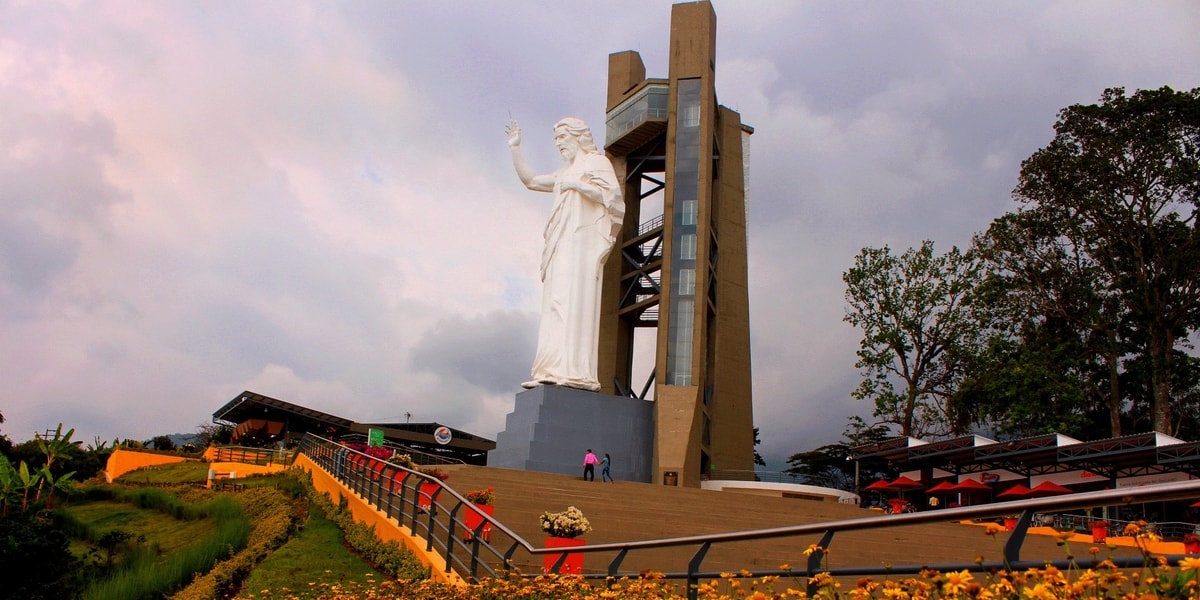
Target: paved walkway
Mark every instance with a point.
(625, 511)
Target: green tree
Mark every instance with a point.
(161, 442)
(834, 465)
(919, 332)
(1105, 237)
(758, 459)
(208, 434)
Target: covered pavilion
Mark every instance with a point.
(261, 420)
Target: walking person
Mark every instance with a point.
(604, 464)
(589, 466)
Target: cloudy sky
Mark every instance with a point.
(314, 201)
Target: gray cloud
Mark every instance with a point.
(492, 351)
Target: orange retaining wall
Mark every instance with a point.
(386, 528)
(123, 461)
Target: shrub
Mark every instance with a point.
(35, 560)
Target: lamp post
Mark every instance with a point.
(855, 459)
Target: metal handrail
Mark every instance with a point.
(693, 573)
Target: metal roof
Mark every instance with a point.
(249, 405)
(252, 410)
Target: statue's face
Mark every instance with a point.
(568, 146)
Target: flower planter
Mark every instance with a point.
(1010, 523)
(473, 516)
(1191, 547)
(425, 497)
(1099, 533)
(573, 565)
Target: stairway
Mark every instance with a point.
(626, 511)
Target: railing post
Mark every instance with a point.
(1016, 539)
(693, 580)
(814, 560)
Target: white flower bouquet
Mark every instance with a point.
(567, 524)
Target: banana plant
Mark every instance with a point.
(8, 484)
(53, 447)
(99, 445)
(62, 484)
(28, 481)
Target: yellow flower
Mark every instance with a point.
(956, 583)
(824, 580)
(1132, 529)
(993, 528)
(810, 549)
(1189, 564)
(785, 567)
(1040, 591)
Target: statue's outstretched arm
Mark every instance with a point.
(537, 183)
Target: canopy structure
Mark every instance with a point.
(1151, 453)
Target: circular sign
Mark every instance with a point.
(442, 435)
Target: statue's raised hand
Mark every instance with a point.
(514, 134)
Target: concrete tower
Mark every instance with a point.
(679, 268)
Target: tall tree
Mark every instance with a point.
(1055, 339)
(1106, 233)
(919, 331)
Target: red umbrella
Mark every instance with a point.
(1048, 488)
(944, 487)
(904, 483)
(880, 486)
(972, 485)
(1016, 491)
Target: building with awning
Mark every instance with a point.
(259, 420)
(1136, 459)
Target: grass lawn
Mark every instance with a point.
(169, 533)
(308, 563)
(192, 471)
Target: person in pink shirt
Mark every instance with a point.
(589, 466)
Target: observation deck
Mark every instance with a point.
(638, 119)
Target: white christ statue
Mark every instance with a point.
(584, 223)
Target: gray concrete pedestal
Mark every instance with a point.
(552, 427)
